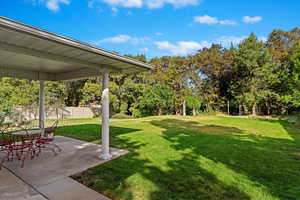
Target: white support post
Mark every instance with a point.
(105, 153)
(42, 105)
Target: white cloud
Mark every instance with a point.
(252, 20)
(145, 49)
(206, 19)
(123, 39)
(91, 3)
(114, 10)
(226, 41)
(124, 3)
(159, 34)
(184, 48)
(227, 22)
(263, 38)
(176, 3)
(152, 4)
(181, 48)
(53, 5)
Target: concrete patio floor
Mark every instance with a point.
(47, 177)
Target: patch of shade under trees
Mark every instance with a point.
(253, 77)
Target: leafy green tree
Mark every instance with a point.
(55, 96)
(292, 94)
(174, 72)
(74, 92)
(6, 110)
(91, 93)
(156, 100)
(193, 103)
(254, 73)
(212, 69)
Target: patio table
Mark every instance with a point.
(28, 132)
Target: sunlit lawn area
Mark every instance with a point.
(189, 158)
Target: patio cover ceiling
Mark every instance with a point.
(36, 54)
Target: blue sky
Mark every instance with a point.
(156, 27)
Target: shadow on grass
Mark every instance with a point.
(187, 180)
(268, 161)
(91, 132)
(183, 179)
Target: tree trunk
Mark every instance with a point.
(159, 111)
(240, 110)
(283, 110)
(208, 109)
(194, 111)
(254, 109)
(184, 108)
(268, 108)
(228, 108)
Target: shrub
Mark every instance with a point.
(6, 110)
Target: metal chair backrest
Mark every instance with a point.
(51, 130)
(27, 137)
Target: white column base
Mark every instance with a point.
(106, 156)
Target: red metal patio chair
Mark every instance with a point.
(16, 146)
(46, 140)
(22, 146)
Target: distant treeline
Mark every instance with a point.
(254, 77)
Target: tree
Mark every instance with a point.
(293, 79)
(282, 44)
(6, 110)
(156, 100)
(91, 93)
(193, 103)
(211, 69)
(253, 73)
(74, 92)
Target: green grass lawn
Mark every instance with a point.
(189, 158)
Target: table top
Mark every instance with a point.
(28, 132)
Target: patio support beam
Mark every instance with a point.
(105, 153)
(42, 105)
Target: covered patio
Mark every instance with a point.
(31, 53)
(47, 177)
